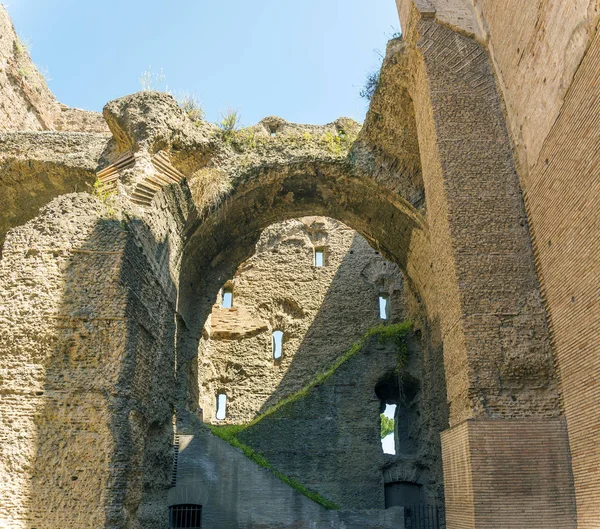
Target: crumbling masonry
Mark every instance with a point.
(474, 177)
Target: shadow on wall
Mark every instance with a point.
(348, 310)
(107, 354)
(331, 442)
(338, 450)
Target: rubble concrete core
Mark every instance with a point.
(108, 294)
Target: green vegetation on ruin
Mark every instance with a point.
(387, 426)
(247, 139)
(395, 333)
(229, 124)
(229, 434)
(107, 195)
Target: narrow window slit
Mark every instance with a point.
(227, 298)
(319, 257)
(384, 307)
(388, 427)
(221, 406)
(277, 345)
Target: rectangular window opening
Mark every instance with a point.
(227, 298)
(388, 426)
(319, 257)
(277, 345)
(384, 307)
(221, 406)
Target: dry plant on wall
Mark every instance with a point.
(151, 81)
(22, 46)
(191, 105)
(372, 81)
(209, 186)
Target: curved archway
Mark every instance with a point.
(216, 246)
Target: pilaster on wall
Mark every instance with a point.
(497, 352)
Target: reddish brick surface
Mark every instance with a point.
(508, 474)
(562, 195)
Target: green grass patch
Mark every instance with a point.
(338, 143)
(384, 334)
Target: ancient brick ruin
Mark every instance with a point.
(201, 326)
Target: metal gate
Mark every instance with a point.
(186, 516)
(424, 517)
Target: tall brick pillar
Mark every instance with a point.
(506, 457)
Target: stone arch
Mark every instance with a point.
(467, 254)
(227, 236)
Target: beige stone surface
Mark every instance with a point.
(321, 311)
(536, 48)
(431, 183)
(35, 167)
(26, 103)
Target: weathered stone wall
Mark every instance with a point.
(329, 439)
(322, 311)
(37, 167)
(477, 284)
(87, 331)
(26, 103)
(56, 436)
(251, 496)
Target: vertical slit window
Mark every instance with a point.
(277, 345)
(319, 257)
(227, 298)
(388, 427)
(221, 406)
(384, 307)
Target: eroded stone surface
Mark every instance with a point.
(321, 311)
(118, 294)
(26, 102)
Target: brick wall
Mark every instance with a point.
(501, 474)
(563, 197)
(87, 335)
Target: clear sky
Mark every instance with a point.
(305, 61)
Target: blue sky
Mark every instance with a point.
(304, 61)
